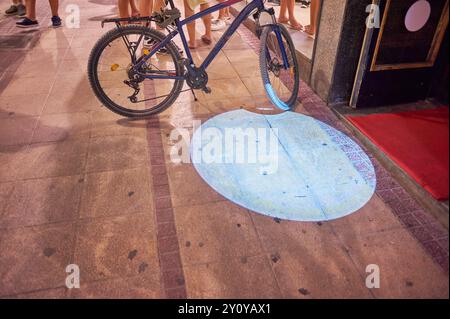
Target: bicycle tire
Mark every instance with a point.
(93, 61)
(292, 102)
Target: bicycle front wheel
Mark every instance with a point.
(123, 87)
(279, 67)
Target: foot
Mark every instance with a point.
(21, 11)
(56, 21)
(297, 27)
(217, 24)
(12, 11)
(225, 18)
(294, 24)
(283, 20)
(309, 30)
(206, 40)
(27, 23)
(192, 45)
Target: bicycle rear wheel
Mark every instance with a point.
(123, 89)
(279, 67)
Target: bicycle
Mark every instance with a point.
(149, 76)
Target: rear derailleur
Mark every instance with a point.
(135, 77)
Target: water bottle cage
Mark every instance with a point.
(166, 17)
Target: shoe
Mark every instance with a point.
(21, 11)
(56, 21)
(12, 11)
(27, 23)
(149, 43)
(217, 25)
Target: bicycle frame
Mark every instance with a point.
(249, 8)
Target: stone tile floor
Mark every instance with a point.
(80, 185)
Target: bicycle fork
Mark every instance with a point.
(274, 24)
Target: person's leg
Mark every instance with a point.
(124, 9)
(291, 11)
(314, 16)
(223, 13)
(159, 4)
(29, 21)
(54, 5)
(31, 9)
(282, 18)
(220, 22)
(146, 7)
(206, 38)
(56, 20)
(190, 26)
(134, 9)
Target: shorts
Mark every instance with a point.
(195, 3)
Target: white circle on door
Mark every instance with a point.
(418, 15)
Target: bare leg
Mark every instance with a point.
(314, 13)
(223, 13)
(282, 18)
(146, 7)
(206, 38)
(54, 5)
(31, 9)
(291, 10)
(159, 4)
(191, 26)
(134, 9)
(124, 9)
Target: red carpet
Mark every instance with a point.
(417, 141)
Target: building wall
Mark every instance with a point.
(335, 60)
(327, 43)
(349, 51)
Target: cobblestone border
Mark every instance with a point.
(171, 269)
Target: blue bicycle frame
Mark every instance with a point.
(254, 5)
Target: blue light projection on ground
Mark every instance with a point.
(278, 103)
(288, 166)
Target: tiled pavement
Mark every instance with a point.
(81, 185)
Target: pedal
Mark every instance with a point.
(167, 17)
(207, 90)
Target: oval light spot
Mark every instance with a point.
(288, 166)
(418, 15)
